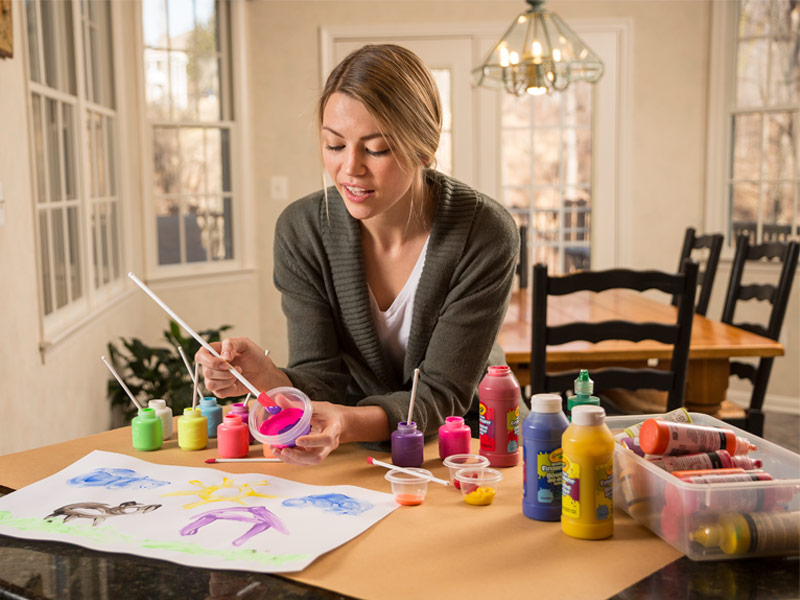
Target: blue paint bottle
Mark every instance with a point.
(213, 412)
(542, 458)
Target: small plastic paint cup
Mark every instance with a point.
(409, 490)
(282, 429)
(455, 462)
(478, 484)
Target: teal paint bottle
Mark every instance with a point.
(213, 412)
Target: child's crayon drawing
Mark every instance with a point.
(247, 529)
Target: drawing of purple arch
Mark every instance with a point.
(115, 478)
(261, 518)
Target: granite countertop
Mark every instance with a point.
(37, 570)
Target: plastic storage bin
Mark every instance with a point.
(642, 490)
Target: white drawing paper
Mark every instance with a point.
(193, 516)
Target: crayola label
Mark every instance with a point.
(604, 498)
(571, 488)
(486, 427)
(548, 475)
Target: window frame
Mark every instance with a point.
(721, 108)
(243, 211)
(61, 322)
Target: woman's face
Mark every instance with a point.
(358, 159)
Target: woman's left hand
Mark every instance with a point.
(327, 424)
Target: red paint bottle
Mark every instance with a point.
(499, 395)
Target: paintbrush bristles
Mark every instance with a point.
(413, 396)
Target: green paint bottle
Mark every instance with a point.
(584, 387)
(192, 429)
(146, 430)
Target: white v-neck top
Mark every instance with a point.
(394, 324)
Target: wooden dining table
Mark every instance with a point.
(712, 344)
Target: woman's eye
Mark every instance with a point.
(333, 148)
(377, 152)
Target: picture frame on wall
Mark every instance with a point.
(6, 30)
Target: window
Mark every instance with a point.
(764, 176)
(74, 146)
(188, 93)
(546, 174)
(444, 154)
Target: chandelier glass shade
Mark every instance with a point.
(538, 54)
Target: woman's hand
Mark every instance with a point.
(247, 358)
(327, 423)
(334, 424)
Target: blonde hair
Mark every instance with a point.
(399, 92)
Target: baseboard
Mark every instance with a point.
(773, 403)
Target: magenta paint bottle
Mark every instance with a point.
(407, 445)
(232, 437)
(454, 437)
(243, 411)
(499, 395)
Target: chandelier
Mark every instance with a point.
(538, 54)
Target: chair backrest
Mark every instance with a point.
(776, 294)
(677, 334)
(705, 278)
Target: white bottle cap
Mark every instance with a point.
(546, 403)
(587, 414)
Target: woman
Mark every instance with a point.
(394, 267)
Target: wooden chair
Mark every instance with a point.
(705, 279)
(778, 296)
(678, 334)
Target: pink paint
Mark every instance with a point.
(283, 421)
(454, 437)
(232, 437)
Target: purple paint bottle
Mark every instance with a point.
(407, 445)
(542, 458)
(243, 411)
(454, 437)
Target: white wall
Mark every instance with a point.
(665, 176)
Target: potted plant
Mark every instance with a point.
(155, 372)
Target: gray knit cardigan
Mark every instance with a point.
(463, 294)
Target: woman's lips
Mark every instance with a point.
(355, 193)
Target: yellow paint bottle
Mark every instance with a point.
(756, 533)
(587, 501)
(192, 429)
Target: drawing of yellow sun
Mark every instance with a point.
(227, 491)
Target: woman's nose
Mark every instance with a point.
(354, 164)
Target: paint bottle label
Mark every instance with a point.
(571, 489)
(548, 476)
(502, 438)
(604, 498)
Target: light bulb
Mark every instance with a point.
(514, 57)
(536, 91)
(556, 54)
(536, 49)
(503, 56)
